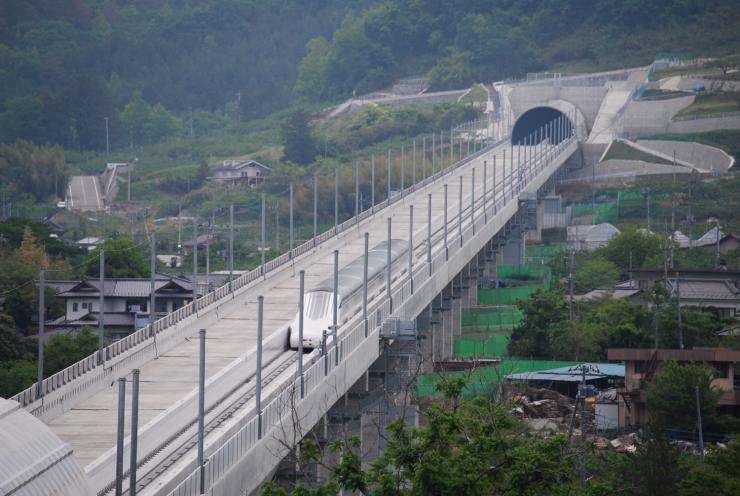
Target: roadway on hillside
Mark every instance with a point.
(84, 194)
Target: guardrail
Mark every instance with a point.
(121, 354)
(228, 454)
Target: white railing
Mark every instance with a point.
(231, 451)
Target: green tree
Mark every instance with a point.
(542, 312)
(471, 447)
(135, 118)
(300, 145)
(63, 350)
(311, 82)
(122, 259)
(641, 244)
(593, 273)
(13, 346)
(719, 475)
(671, 398)
(16, 376)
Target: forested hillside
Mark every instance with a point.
(160, 70)
(461, 41)
(65, 65)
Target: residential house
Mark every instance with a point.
(89, 243)
(710, 288)
(641, 366)
(587, 238)
(233, 172)
(125, 302)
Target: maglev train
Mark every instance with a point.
(318, 302)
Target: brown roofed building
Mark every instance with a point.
(641, 366)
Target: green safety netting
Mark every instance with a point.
(635, 196)
(543, 252)
(483, 319)
(605, 212)
(523, 271)
(481, 381)
(482, 347)
(506, 296)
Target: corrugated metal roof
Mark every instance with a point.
(544, 376)
(572, 373)
(33, 460)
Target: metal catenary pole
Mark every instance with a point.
(372, 182)
(388, 178)
(134, 432)
(152, 277)
(301, 282)
(429, 232)
(290, 245)
(101, 310)
(263, 231)
(258, 371)
(231, 247)
(119, 434)
(388, 266)
(335, 307)
(40, 369)
(364, 281)
(195, 265)
(459, 211)
(357, 190)
(336, 200)
(315, 208)
(411, 247)
(445, 222)
(201, 406)
(472, 200)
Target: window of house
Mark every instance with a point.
(642, 284)
(74, 307)
(723, 369)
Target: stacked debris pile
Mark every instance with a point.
(542, 403)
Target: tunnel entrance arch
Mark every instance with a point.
(532, 124)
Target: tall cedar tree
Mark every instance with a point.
(300, 145)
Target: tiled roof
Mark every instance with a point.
(705, 289)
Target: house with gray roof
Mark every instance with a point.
(125, 302)
(233, 172)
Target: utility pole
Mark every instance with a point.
(698, 424)
(107, 140)
(678, 308)
(40, 371)
(570, 287)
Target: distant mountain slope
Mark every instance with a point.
(461, 41)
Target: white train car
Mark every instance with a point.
(318, 302)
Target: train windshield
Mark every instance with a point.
(318, 304)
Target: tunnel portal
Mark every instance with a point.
(532, 126)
